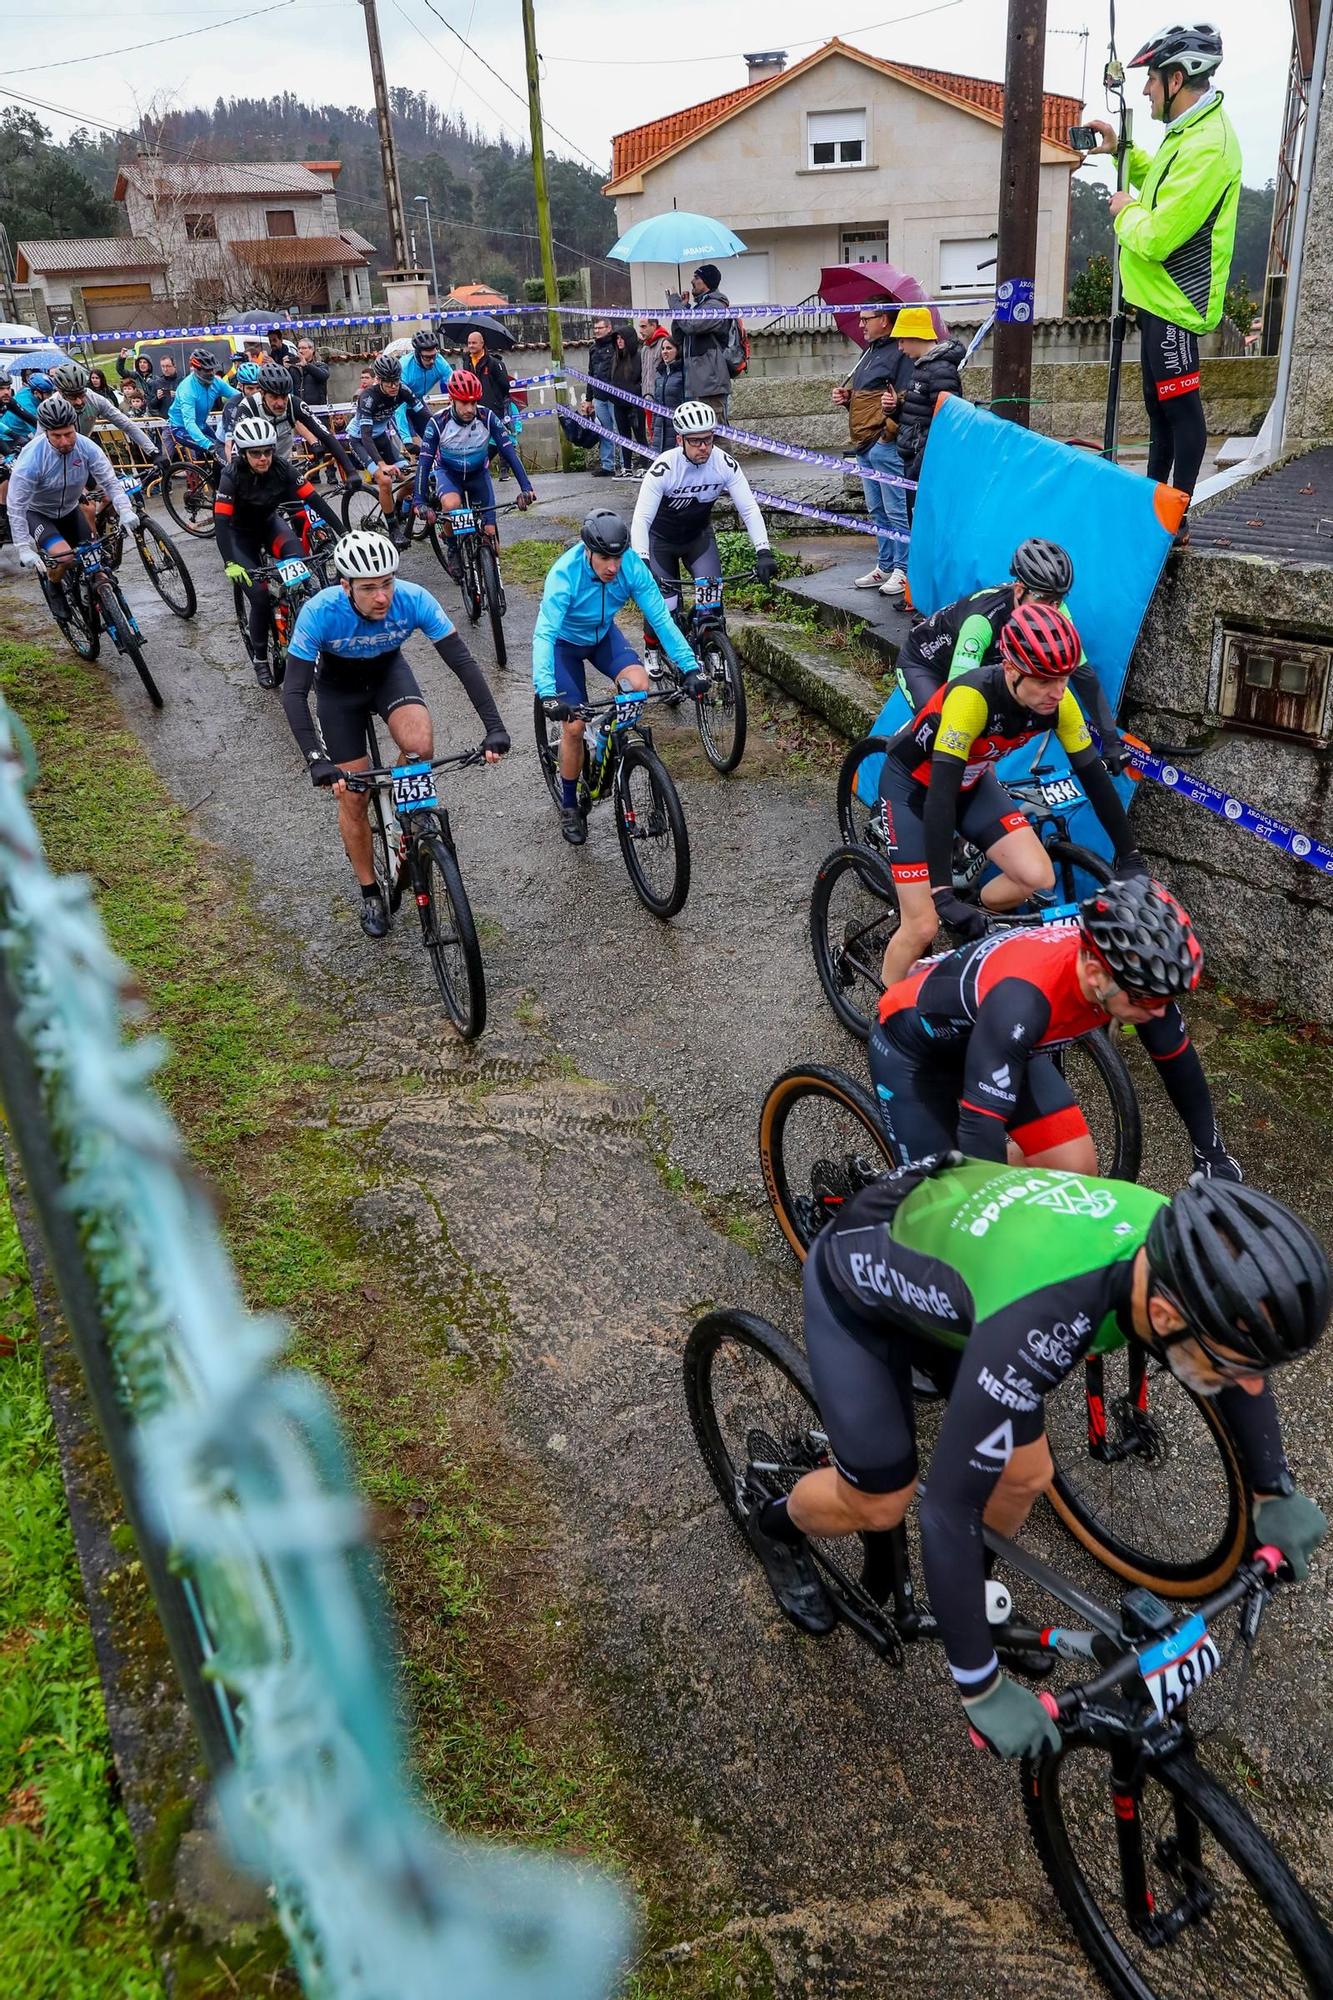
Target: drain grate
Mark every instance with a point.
(1286, 514)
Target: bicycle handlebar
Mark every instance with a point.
(379, 776)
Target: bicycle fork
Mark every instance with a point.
(1179, 1854)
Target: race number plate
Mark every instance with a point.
(89, 554)
(132, 486)
(1063, 792)
(463, 521)
(293, 571)
(707, 593)
(1177, 1666)
(413, 787)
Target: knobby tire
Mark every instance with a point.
(461, 980)
(793, 1205)
(664, 801)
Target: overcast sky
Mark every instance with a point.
(604, 67)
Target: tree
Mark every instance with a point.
(1090, 291)
(1090, 231)
(43, 192)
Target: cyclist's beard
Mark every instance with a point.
(1187, 1369)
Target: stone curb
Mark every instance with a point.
(835, 693)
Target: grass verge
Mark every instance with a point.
(75, 1920)
(505, 1743)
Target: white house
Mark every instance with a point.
(844, 158)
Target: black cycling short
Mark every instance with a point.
(917, 1093)
(699, 556)
(347, 696)
(367, 452)
(986, 813)
(72, 528)
(862, 1373)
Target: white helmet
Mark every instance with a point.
(693, 419)
(254, 434)
(364, 554)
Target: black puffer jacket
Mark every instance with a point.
(934, 375)
(601, 359)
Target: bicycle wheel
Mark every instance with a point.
(721, 716)
(1147, 1477)
(858, 818)
(74, 616)
(653, 837)
(119, 622)
(820, 1141)
(495, 601)
(853, 917)
(450, 936)
(166, 572)
(469, 579)
(754, 1416)
(1227, 1915)
(385, 843)
(188, 497)
(361, 508)
(1096, 1072)
(1068, 856)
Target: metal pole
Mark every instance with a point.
(1119, 319)
(424, 199)
(393, 193)
(1292, 303)
(551, 288)
(1020, 190)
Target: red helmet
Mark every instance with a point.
(1038, 639)
(464, 386)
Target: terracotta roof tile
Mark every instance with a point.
(70, 255)
(313, 250)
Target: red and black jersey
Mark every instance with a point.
(247, 501)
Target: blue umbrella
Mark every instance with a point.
(676, 238)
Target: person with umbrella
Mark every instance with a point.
(703, 344)
(872, 399)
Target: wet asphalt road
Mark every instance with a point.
(846, 1824)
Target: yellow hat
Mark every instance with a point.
(913, 323)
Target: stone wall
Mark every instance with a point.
(1310, 394)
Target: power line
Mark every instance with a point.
(725, 55)
(497, 115)
(432, 9)
(185, 35)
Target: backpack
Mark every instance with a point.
(737, 348)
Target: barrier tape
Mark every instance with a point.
(1301, 846)
(849, 467)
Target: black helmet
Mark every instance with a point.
(274, 379)
(387, 368)
(55, 414)
(1143, 937)
(205, 362)
(604, 533)
(423, 339)
(1244, 1271)
(1043, 566)
(1192, 46)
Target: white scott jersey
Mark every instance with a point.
(677, 497)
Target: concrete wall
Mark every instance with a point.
(1265, 919)
(933, 171)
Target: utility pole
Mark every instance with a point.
(424, 199)
(393, 194)
(1020, 186)
(554, 334)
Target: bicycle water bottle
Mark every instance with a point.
(599, 743)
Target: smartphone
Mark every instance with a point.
(1084, 139)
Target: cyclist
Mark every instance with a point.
(348, 644)
(36, 387)
(455, 461)
(71, 379)
(998, 1281)
(576, 628)
(966, 634)
(673, 515)
(270, 395)
(17, 428)
(424, 369)
(960, 1053)
(378, 443)
(936, 782)
(251, 494)
(198, 396)
(46, 484)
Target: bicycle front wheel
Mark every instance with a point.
(384, 848)
(1226, 1917)
(820, 1142)
(361, 508)
(721, 716)
(188, 498)
(469, 563)
(854, 916)
(495, 602)
(450, 937)
(119, 622)
(858, 817)
(74, 615)
(166, 572)
(650, 821)
(1096, 1072)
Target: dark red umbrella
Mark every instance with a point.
(851, 285)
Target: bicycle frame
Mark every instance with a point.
(414, 823)
(603, 767)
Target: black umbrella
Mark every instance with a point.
(455, 327)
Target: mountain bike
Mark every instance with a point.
(289, 582)
(854, 905)
(361, 506)
(468, 555)
(650, 821)
(720, 717)
(162, 561)
(86, 599)
(414, 847)
(1167, 1883)
(189, 488)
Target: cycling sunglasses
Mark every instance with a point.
(1226, 1364)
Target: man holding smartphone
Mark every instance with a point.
(1176, 236)
(872, 396)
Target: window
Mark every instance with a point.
(836, 138)
(202, 227)
(281, 221)
(865, 246)
(967, 263)
(1274, 686)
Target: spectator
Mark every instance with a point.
(934, 373)
(278, 348)
(668, 389)
(873, 402)
(703, 344)
(98, 383)
(651, 336)
(132, 398)
(253, 348)
(310, 376)
(492, 374)
(165, 384)
(126, 363)
(601, 361)
(627, 374)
